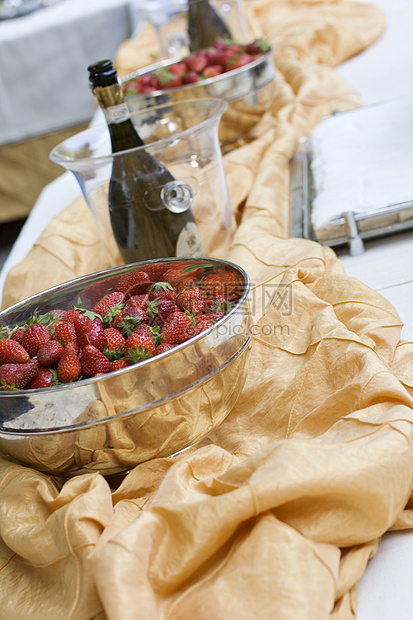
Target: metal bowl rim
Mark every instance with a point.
(209, 81)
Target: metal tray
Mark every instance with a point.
(349, 228)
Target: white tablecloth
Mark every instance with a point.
(380, 73)
(43, 63)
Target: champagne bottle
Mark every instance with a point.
(204, 25)
(150, 212)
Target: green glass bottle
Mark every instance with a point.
(204, 25)
(150, 212)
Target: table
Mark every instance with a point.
(44, 93)
(43, 61)
(384, 589)
(382, 267)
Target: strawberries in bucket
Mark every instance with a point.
(207, 63)
(146, 312)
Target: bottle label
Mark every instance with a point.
(189, 241)
(117, 113)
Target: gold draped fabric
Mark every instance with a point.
(279, 515)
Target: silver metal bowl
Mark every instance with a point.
(113, 422)
(248, 90)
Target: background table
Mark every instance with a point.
(43, 63)
(379, 74)
(44, 93)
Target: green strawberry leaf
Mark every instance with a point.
(157, 338)
(137, 354)
(39, 319)
(129, 324)
(152, 306)
(6, 332)
(163, 75)
(113, 312)
(223, 306)
(191, 315)
(203, 266)
(164, 286)
(9, 386)
(113, 355)
(89, 313)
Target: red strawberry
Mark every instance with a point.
(222, 282)
(175, 276)
(162, 290)
(211, 56)
(163, 348)
(139, 346)
(109, 301)
(59, 314)
(220, 44)
(143, 329)
(175, 81)
(216, 315)
(134, 283)
(71, 315)
(137, 300)
(215, 302)
(17, 334)
(96, 291)
(155, 270)
(142, 82)
(127, 320)
(192, 299)
(212, 71)
(235, 49)
(202, 322)
(190, 78)
(119, 364)
(114, 340)
(42, 379)
(177, 68)
(177, 328)
(164, 308)
(163, 77)
(241, 61)
(65, 332)
(69, 368)
(155, 83)
(34, 336)
(223, 57)
(257, 47)
(94, 362)
(196, 63)
(147, 89)
(89, 332)
(16, 376)
(12, 352)
(149, 331)
(50, 353)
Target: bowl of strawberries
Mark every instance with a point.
(118, 367)
(241, 74)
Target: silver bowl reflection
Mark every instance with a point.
(113, 422)
(248, 90)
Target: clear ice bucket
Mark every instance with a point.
(183, 137)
